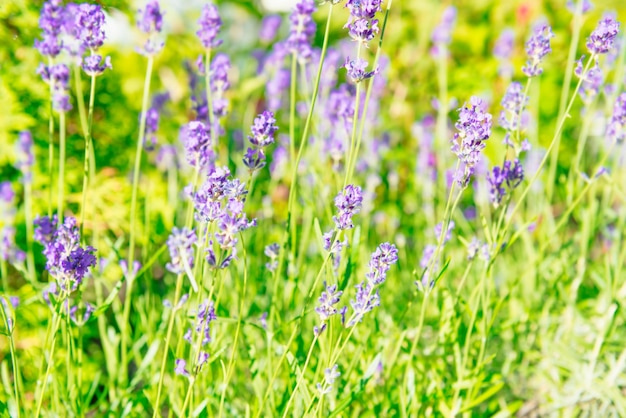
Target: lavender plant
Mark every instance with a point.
(234, 272)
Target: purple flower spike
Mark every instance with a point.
(89, 26)
(442, 34)
(94, 66)
(357, 70)
(592, 81)
(50, 22)
(348, 203)
(150, 18)
(382, 259)
(616, 130)
(25, 157)
(263, 129)
(603, 36)
(180, 244)
(180, 367)
(210, 24)
(327, 301)
(67, 261)
(537, 47)
(302, 30)
(474, 127)
(254, 159)
(513, 104)
(197, 142)
(269, 28)
(509, 175)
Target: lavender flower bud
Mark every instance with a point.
(25, 157)
(592, 81)
(197, 142)
(474, 126)
(508, 175)
(603, 36)
(93, 65)
(327, 301)
(357, 70)
(210, 24)
(513, 104)
(616, 130)
(348, 203)
(269, 28)
(180, 244)
(537, 47)
(150, 18)
(254, 159)
(263, 129)
(89, 27)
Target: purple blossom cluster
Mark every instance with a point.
(348, 203)
(150, 21)
(198, 336)
(220, 199)
(585, 5)
(331, 374)
(196, 140)
(210, 24)
(326, 307)
(603, 37)
(58, 77)
(616, 130)
(89, 30)
(504, 178)
(362, 24)
(592, 81)
(272, 251)
(357, 70)
(427, 263)
(51, 22)
(181, 247)
(25, 158)
(367, 292)
(301, 30)
(503, 50)
(66, 260)
(513, 104)
(442, 34)
(537, 47)
(263, 130)
(8, 249)
(474, 127)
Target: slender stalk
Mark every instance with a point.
(170, 327)
(567, 80)
(292, 110)
(209, 100)
(88, 139)
(241, 305)
(16, 370)
(133, 219)
(57, 322)
(82, 114)
(61, 179)
(301, 377)
(559, 129)
(307, 125)
(355, 120)
(50, 144)
(28, 218)
(367, 96)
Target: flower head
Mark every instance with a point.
(616, 130)
(537, 47)
(66, 260)
(302, 30)
(513, 104)
(197, 143)
(509, 176)
(603, 36)
(25, 157)
(357, 70)
(89, 26)
(150, 18)
(269, 27)
(348, 202)
(263, 129)
(474, 127)
(93, 65)
(180, 244)
(210, 24)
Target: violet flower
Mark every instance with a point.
(58, 77)
(592, 81)
(25, 156)
(269, 28)
(474, 127)
(603, 36)
(616, 130)
(326, 308)
(50, 22)
(196, 140)
(66, 260)
(503, 179)
(150, 21)
(537, 47)
(503, 50)
(348, 202)
(302, 30)
(210, 24)
(200, 331)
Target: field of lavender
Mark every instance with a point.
(345, 208)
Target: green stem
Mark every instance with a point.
(88, 140)
(207, 80)
(368, 94)
(292, 110)
(577, 25)
(16, 370)
(81, 102)
(28, 217)
(133, 219)
(55, 328)
(301, 377)
(170, 327)
(559, 129)
(50, 145)
(61, 179)
(241, 305)
(305, 132)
